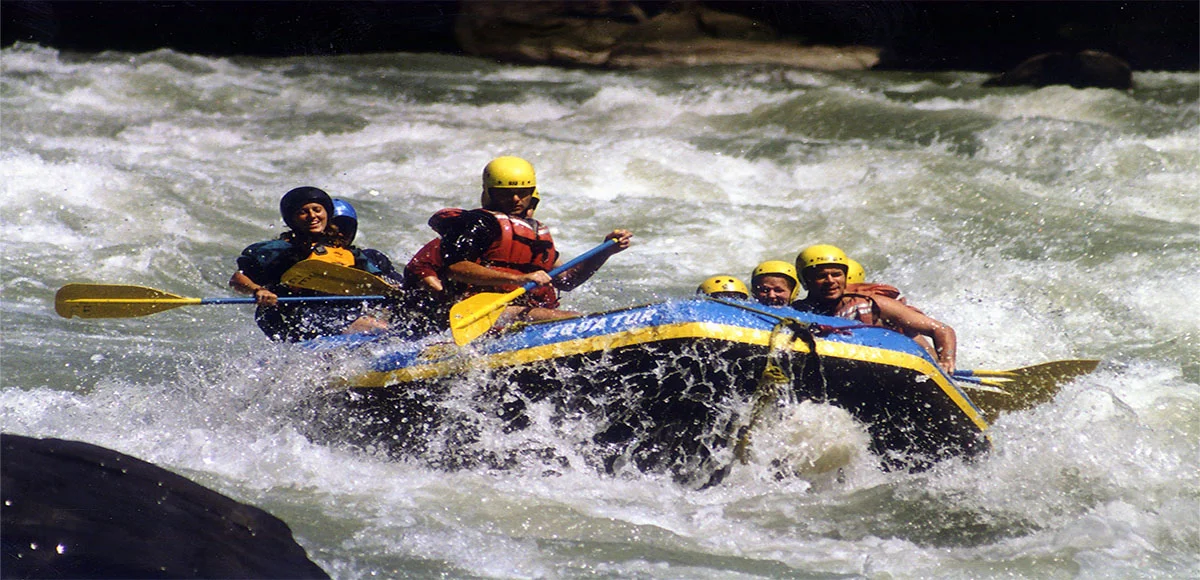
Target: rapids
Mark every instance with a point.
(1042, 224)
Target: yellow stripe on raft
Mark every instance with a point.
(459, 361)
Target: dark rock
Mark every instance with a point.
(913, 35)
(619, 34)
(1083, 69)
(76, 510)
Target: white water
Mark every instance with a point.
(1042, 224)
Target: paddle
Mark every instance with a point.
(330, 278)
(1022, 388)
(124, 301)
(475, 315)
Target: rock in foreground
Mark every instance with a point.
(76, 510)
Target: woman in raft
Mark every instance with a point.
(309, 214)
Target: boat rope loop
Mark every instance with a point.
(812, 328)
(812, 375)
(775, 387)
(826, 330)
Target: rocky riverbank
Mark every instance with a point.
(985, 36)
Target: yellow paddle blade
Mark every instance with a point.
(475, 315)
(330, 278)
(1027, 387)
(114, 301)
(1056, 371)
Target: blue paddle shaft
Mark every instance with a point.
(293, 299)
(574, 262)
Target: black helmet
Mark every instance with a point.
(295, 199)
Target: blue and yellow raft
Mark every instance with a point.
(664, 386)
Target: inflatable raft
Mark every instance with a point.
(669, 387)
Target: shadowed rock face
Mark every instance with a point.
(75, 510)
(618, 34)
(1088, 68)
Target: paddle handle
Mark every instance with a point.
(293, 299)
(480, 313)
(574, 262)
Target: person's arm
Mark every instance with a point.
(477, 275)
(422, 268)
(433, 283)
(945, 342)
(462, 248)
(572, 278)
(262, 296)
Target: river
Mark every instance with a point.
(1042, 224)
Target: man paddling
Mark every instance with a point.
(823, 271)
(500, 247)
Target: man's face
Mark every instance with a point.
(772, 290)
(826, 282)
(514, 201)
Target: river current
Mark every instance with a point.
(1043, 224)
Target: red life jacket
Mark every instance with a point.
(524, 246)
(851, 306)
(856, 307)
(873, 289)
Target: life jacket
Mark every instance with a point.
(333, 255)
(851, 306)
(856, 307)
(873, 289)
(265, 262)
(524, 246)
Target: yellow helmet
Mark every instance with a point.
(723, 284)
(854, 272)
(820, 255)
(509, 172)
(778, 268)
